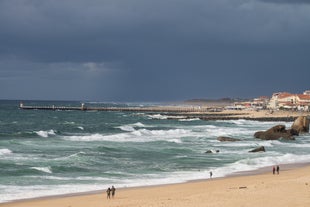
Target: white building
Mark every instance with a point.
(285, 100)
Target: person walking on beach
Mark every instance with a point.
(273, 170)
(108, 193)
(278, 169)
(113, 191)
(211, 174)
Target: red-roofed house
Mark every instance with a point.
(289, 101)
(303, 102)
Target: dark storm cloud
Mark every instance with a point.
(287, 1)
(131, 50)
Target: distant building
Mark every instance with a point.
(303, 101)
(285, 100)
(255, 104)
(307, 92)
(260, 103)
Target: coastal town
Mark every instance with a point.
(278, 101)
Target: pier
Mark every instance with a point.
(171, 109)
(188, 112)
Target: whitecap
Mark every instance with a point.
(194, 119)
(43, 169)
(76, 154)
(141, 135)
(69, 122)
(5, 151)
(138, 124)
(131, 127)
(157, 116)
(45, 134)
(127, 128)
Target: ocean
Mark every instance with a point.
(45, 153)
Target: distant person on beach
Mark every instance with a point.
(108, 193)
(278, 169)
(273, 170)
(113, 191)
(211, 174)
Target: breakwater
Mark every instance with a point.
(167, 109)
(174, 112)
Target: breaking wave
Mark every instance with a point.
(141, 135)
(46, 134)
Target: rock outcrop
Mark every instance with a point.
(210, 151)
(276, 132)
(258, 149)
(301, 124)
(227, 139)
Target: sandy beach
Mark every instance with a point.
(265, 113)
(259, 115)
(290, 188)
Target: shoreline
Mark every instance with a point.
(237, 175)
(261, 115)
(188, 111)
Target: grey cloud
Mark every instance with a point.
(16, 68)
(115, 20)
(287, 1)
(129, 49)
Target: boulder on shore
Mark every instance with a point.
(227, 139)
(258, 149)
(301, 124)
(275, 133)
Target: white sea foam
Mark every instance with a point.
(138, 124)
(141, 135)
(127, 128)
(157, 116)
(160, 116)
(76, 154)
(10, 192)
(5, 151)
(81, 128)
(227, 131)
(45, 134)
(80, 178)
(131, 127)
(195, 119)
(248, 163)
(69, 122)
(43, 169)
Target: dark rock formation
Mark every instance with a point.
(227, 139)
(301, 124)
(275, 133)
(210, 151)
(258, 149)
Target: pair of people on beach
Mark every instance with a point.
(111, 191)
(276, 168)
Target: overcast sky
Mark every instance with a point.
(153, 50)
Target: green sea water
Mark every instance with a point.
(57, 152)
